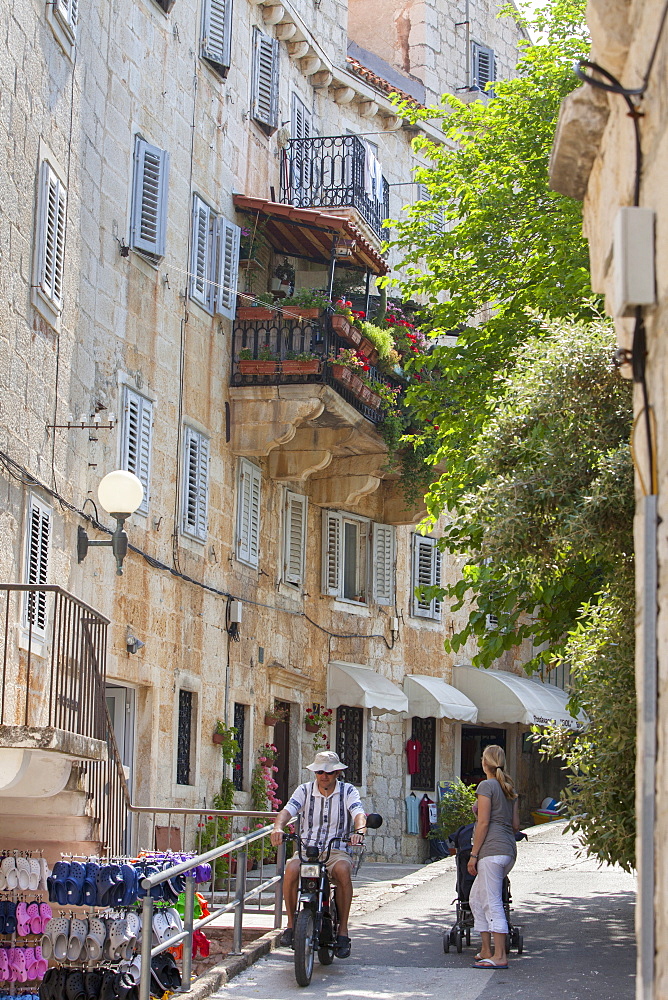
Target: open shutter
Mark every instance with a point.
(195, 484)
(200, 264)
(332, 533)
(136, 444)
(426, 573)
(482, 65)
(265, 80)
(436, 604)
(149, 199)
(301, 123)
(228, 240)
(68, 11)
(52, 236)
(382, 543)
(295, 537)
(248, 514)
(37, 564)
(217, 33)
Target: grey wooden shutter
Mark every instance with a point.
(200, 263)
(295, 537)
(217, 33)
(265, 79)
(426, 573)
(136, 441)
(382, 544)
(149, 199)
(248, 513)
(332, 562)
(53, 204)
(301, 123)
(228, 242)
(482, 65)
(436, 604)
(195, 484)
(38, 538)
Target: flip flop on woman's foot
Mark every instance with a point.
(488, 963)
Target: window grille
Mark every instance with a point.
(349, 741)
(424, 730)
(184, 738)
(238, 763)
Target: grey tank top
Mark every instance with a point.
(500, 837)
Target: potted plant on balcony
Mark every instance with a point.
(343, 320)
(347, 368)
(307, 303)
(305, 363)
(266, 362)
(261, 307)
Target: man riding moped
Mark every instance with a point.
(327, 808)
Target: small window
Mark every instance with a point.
(238, 762)
(426, 573)
(491, 622)
(248, 514)
(50, 244)
(136, 440)
(149, 199)
(37, 545)
(424, 731)
(294, 539)
(346, 562)
(483, 65)
(264, 105)
(217, 34)
(214, 262)
(349, 745)
(195, 485)
(184, 740)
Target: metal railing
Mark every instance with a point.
(239, 848)
(335, 171)
(54, 675)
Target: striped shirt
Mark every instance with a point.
(322, 817)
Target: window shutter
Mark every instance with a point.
(136, 443)
(301, 119)
(217, 33)
(331, 553)
(426, 573)
(149, 199)
(68, 11)
(483, 65)
(436, 604)
(195, 484)
(383, 563)
(265, 80)
(52, 236)
(37, 563)
(200, 264)
(228, 240)
(295, 537)
(248, 514)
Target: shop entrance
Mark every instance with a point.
(474, 741)
(282, 744)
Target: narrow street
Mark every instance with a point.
(577, 919)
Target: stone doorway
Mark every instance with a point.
(282, 744)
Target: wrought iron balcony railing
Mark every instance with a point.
(335, 171)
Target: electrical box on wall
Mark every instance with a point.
(633, 260)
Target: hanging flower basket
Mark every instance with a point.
(218, 738)
(312, 727)
(270, 720)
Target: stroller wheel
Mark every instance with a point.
(458, 941)
(520, 944)
(446, 941)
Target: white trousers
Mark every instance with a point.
(486, 898)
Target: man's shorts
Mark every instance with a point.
(334, 855)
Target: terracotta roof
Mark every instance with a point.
(309, 232)
(356, 67)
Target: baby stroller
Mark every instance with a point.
(460, 931)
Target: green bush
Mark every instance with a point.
(455, 809)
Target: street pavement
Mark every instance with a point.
(577, 919)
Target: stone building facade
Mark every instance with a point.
(609, 151)
(140, 139)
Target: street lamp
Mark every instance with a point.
(120, 494)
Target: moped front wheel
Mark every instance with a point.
(304, 950)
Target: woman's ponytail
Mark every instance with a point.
(494, 756)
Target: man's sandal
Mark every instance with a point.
(343, 945)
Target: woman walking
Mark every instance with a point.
(492, 856)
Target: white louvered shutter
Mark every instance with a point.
(136, 441)
(68, 11)
(426, 573)
(53, 206)
(196, 484)
(200, 263)
(295, 538)
(483, 65)
(248, 514)
(332, 562)
(265, 80)
(217, 33)
(228, 240)
(382, 544)
(436, 604)
(149, 199)
(38, 538)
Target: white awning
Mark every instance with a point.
(361, 687)
(503, 698)
(432, 697)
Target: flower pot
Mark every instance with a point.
(252, 367)
(255, 312)
(218, 738)
(270, 720)
(370, 398)
(250, 862)
(356, 384)
(368, 350)
(342, 326)
(341, 374)
(301, 367)
(306, 312)
(311, 727)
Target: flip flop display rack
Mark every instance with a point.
(91, 953)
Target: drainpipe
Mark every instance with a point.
(647, 751)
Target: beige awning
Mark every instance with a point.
(503, 698)
(361, 687)
(432, 697)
